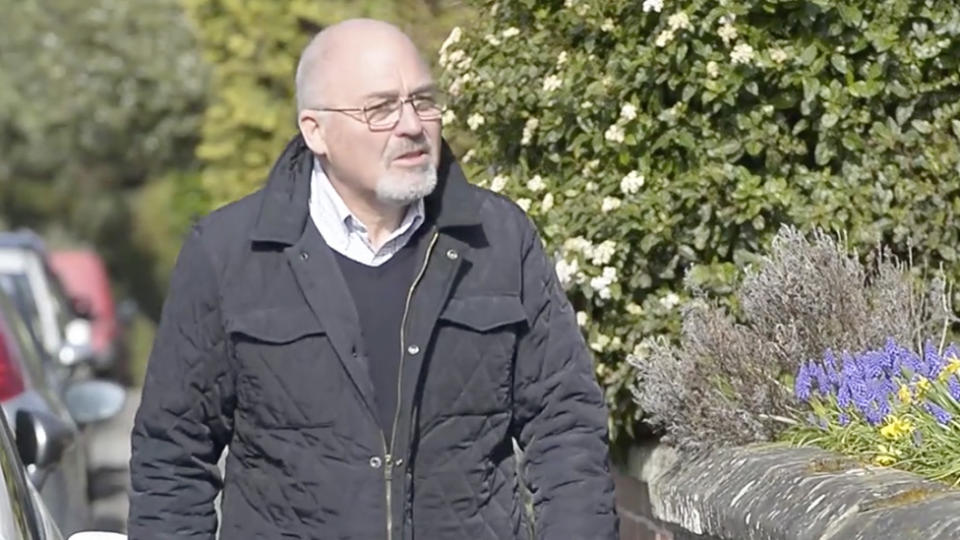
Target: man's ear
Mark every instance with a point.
(312, 129)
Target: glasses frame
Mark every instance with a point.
(385, 127)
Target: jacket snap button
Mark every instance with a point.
(452, 254)
(304, 255)
(376, 462)
(413, 349)
(398, 463)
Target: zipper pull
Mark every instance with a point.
(388, 467)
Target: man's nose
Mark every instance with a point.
(409, 123)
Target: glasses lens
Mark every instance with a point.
(382, 113)
(427, 107)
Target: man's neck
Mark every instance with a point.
(381, 219)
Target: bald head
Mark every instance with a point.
(333, 53)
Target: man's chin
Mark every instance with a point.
(406, 188)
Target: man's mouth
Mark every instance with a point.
(412, 157)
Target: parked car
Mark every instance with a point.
(59, 321)
(23, 513)
(85, 278)
(58, 408)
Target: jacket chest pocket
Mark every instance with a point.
(289, 375)
(472, 357)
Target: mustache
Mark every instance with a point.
(408, 147)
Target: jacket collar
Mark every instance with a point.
(284, 206)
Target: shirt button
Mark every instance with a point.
(413, 349)
(304, 255)
(376, 462)
(452, 254)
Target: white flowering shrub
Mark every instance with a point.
(658, 140)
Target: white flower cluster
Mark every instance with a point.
(664, 38)
(615, 134)
(609, 204)
(727, 31)
(670, 300)
(652, 5)
(551, 83)
(779, 56)
(567, 272)
(528, 130)
(603, 253)
(498, 183)
(547, 203)
(453, 38)
(628, 112)
(475, 121)
(536, 184)
(631, 183)
(601, 284)
(679, 21)
(741, 54)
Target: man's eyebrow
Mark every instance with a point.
(387, 94)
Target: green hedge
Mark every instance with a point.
(660, 140)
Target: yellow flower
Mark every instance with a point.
(922, 386)
(952, 367)
(884, 460)
(904, 394)
(887, 455)
(896, 428)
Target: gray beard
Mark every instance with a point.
(403, 188)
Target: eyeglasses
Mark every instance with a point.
(385, 113)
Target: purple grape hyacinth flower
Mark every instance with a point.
(804, 383)
(942, 416)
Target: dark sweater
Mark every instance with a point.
(380, 294)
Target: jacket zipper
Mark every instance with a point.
(387, 449)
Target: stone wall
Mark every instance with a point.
(774, 492)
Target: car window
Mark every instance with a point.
(18, 517)
(62, 303)
(17, 286)
(26, 342)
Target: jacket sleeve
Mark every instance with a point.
(559, 414)
(185, 416)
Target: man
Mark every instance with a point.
(368, 334)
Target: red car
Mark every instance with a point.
(85, 278)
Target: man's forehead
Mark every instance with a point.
(383, 74)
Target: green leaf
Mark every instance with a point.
(809, 54)
(839, 62)
(850, 14)
(829, 120)
(730, 147)
(904, 112)
(823, 153)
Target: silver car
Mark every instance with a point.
(23, 514)
(49, 410)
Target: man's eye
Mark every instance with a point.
(381, 106)
(424, 103)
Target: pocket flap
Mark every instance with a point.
(274, 325)
(483, 313)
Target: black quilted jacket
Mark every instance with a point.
(257, 351)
